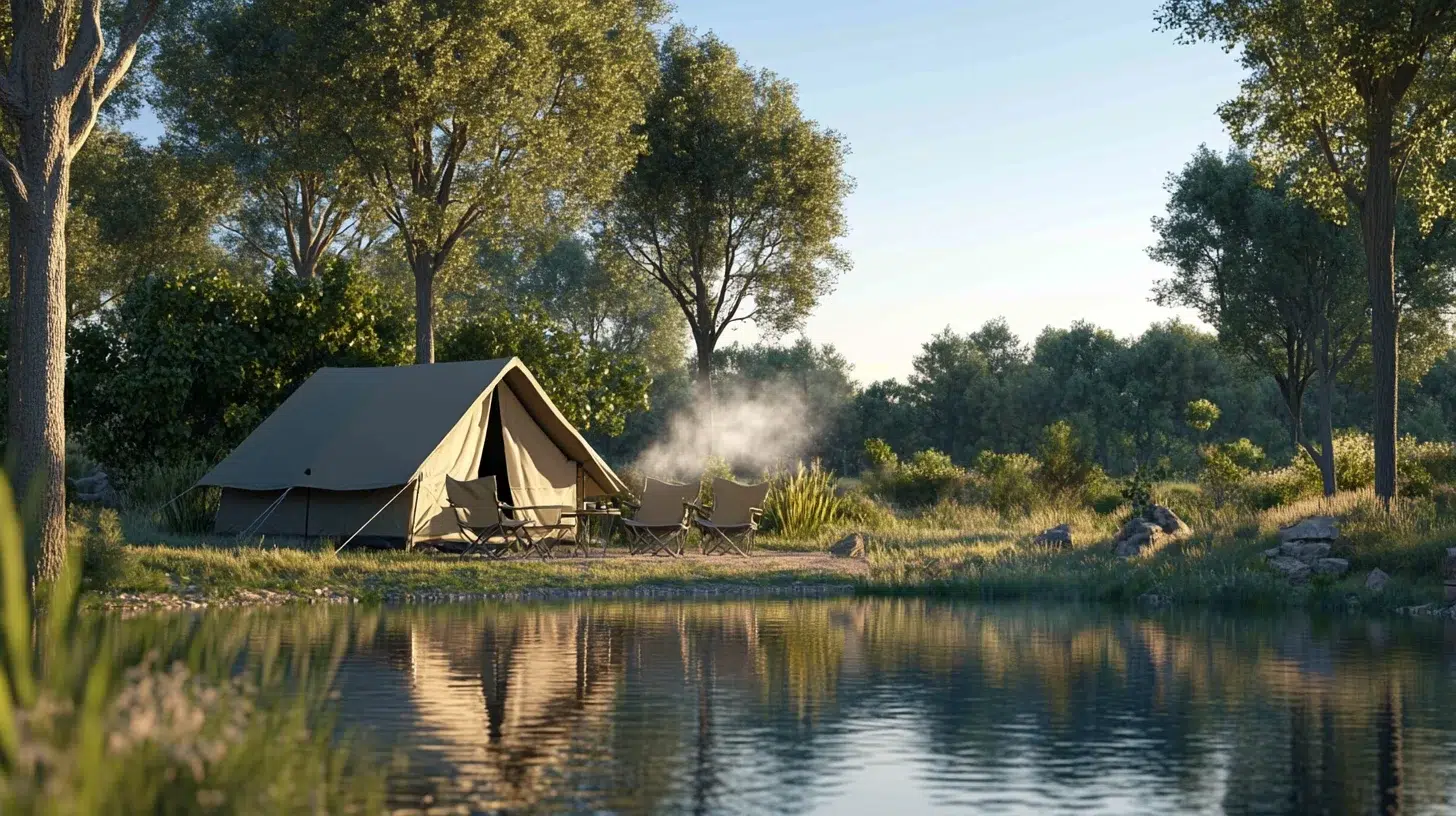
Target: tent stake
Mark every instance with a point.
(375, 516)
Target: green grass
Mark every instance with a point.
(1221, 564)
(944, 549)
(374, 575)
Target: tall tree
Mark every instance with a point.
(592, 290)
(62, 67)
(247, 85)
(488, 117)
(737, 203)
(1356, 95)
(1281, 285)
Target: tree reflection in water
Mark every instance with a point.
(856, 705)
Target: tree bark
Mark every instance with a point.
(424, 271)
(40, 463)
(1326, 459)
(15, 346)
(704, 383)
(1377, 224)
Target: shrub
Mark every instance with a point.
(1137, 489)
(861, 509)
(1226, 467)
(1263, 491)
(801, 503)
(714, 467)
(880, 456)
(1064, 469)
(1006, 482)
(929, 477)
(105, 560)
(1201, 414)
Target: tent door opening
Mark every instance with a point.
(493, 456)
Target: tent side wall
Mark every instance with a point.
(330, 513)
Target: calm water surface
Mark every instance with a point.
(894, 706)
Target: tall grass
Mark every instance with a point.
(802, 502)
(94, 721)
(151, 490)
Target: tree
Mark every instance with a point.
(245, 85)
(189, 363)
(62, 68)
(1280, 284)
(736, 204)
(1355, 95)
(482, 117)
(594, 389)
(589, 289)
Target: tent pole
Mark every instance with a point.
(409, 539)
(375, 516)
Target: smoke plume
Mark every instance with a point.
(752, 429)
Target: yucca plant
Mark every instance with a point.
(801, 502)
(93, 720)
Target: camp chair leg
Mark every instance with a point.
(721, 542)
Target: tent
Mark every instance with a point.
(367, 450)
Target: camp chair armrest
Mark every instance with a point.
(694, 507)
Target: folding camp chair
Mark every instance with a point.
(660, 525)
(552, 526)
(734, 517)
(482, 524)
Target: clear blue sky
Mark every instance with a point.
(1008, 155)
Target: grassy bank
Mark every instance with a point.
(947, 549)
(1221, 564)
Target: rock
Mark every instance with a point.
(1315, 528)
(95, 489)
(1448, 568)
(1306, 551)
(1376, 580)
(1058, 537)
(1136, 536)
(1292, 568)
(1331, 566)
(1167, 520)
(851, 546)
(1272, 552)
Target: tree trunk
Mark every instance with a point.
(704, 382)
(1377, 222)
(424, 271)
(15, 346)
(1326, 459)
(40, 463)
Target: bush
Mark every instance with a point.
(801, 503)
(1005, 482)
(929, 477)
(106, 562)
(861, 509)
(1064, 470)
(1226, 467)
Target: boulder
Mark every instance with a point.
(1331, 566)
(1167, 520)
(851, 546)
(1376, 580)
(1136, 536)
(1292, 568)
(1316, 528)
(95, 489)
(1058, 537)
(1306, 551)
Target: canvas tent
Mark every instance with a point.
(351, 443)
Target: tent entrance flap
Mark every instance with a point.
(539, 471)
(493, 456)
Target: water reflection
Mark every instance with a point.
(871, 706)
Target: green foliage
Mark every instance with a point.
(594, 388)
(1064, 469)
(164, 489)
(714, 467)
(926, 478)
(730, 160)
(880, 455)
(1137, 490)
(1005, 482)
(106, 562)
(802, 502)
(188, 364)
(1227, 467)
(1200, 415)
(94, 722)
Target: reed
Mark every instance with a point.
(802, 503)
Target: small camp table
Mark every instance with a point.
(594, 526)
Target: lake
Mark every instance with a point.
(854, 705)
